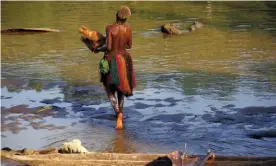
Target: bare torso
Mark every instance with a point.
(119, 38)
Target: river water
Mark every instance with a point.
(214, 89)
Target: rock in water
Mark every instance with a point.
(171, 29)
(72, 147)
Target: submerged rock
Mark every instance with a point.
(258, 110)
(263, 133)
(176, 118)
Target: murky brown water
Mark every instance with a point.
(191, 88)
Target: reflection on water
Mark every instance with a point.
(213, 89)
(120, 143)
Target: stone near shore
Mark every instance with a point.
(67, 147)
(72, 147)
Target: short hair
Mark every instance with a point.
(123, 14)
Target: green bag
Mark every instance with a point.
(104, 66)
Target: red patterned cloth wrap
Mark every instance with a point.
(121, 73)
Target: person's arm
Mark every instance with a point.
(107, 45)
(101, 49)
(108, 39)
(129, 41)
(87, 42)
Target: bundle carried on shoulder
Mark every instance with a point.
(92, 39)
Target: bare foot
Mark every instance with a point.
(119, 122)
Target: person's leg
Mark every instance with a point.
(110, 91)
(119, 123)
(120, 100)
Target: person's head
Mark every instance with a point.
(123, 14)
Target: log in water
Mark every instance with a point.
(137, 159)
(27, 30)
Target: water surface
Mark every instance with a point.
(213, 89)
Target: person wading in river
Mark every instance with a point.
(120, 79)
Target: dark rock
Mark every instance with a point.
(51, 101)
(171, 29)
(7, 149)
(141, 105)
(263, 133)
(258, 110)
(177, 118)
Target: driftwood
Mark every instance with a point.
(53, 158)
(7, 151)
(180, 159)
(27, 30)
